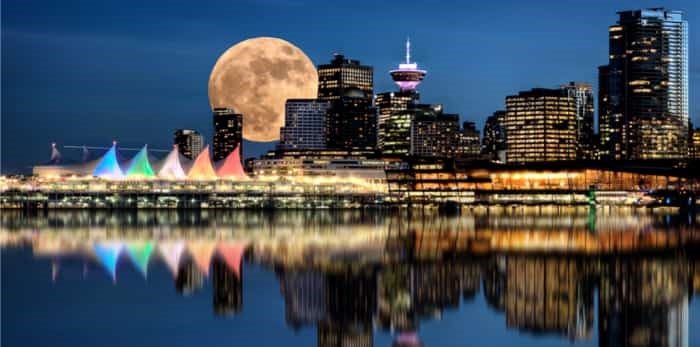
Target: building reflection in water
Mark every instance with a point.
(348, 274)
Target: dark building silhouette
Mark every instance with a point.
(351, 297)
(469, 141)
(228, 132)
(494, 137)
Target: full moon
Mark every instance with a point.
(256, 77)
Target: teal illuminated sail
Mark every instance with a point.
(140, 166)
(140, 253)
(108, 166)
(108, 255)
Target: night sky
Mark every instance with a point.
(87, 72)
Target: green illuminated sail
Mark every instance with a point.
(140, 167)
(140, 253)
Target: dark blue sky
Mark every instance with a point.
(87, 72)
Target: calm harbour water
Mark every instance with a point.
(531, 276)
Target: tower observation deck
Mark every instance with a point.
(408, 76)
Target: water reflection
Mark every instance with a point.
(557, 271)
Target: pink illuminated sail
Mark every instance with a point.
(171, 252)
(232, 253)
(202, 169)
(231, 167)
(171, 167)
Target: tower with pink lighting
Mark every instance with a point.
(408, 76)
(391, 104)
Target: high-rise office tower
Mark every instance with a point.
(494, 139)
(644, 87)
(189, 142)
(433, 133)
(351, 120)
(540, 126)
(583, 96)
(469, 141)
(304, 124)
(389, 104)
(228, 132)
(407, 77)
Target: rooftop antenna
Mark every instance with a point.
(408, 50)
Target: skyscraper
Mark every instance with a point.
(407, 77)
(189, 142)
(389, 104)
(228, 132)
(351, 120)
(469, 141)
(494, 137)
(583, 96)
(540, 126)
(304, 124)
(644, 87)
(433, 133)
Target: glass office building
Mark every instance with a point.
(644, 87)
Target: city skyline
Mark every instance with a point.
(436, 89)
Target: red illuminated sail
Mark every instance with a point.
(232, 168)
(232, 253)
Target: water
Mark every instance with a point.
(531, 276)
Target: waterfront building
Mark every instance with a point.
(469, 141)
(585, 109)
(540, 126)
(189, 142)
(644, 87)
(351, 120)
(228, 132)
(368, 171)
(494, 140)
(304, 124)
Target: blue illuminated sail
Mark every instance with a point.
(108, 166)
